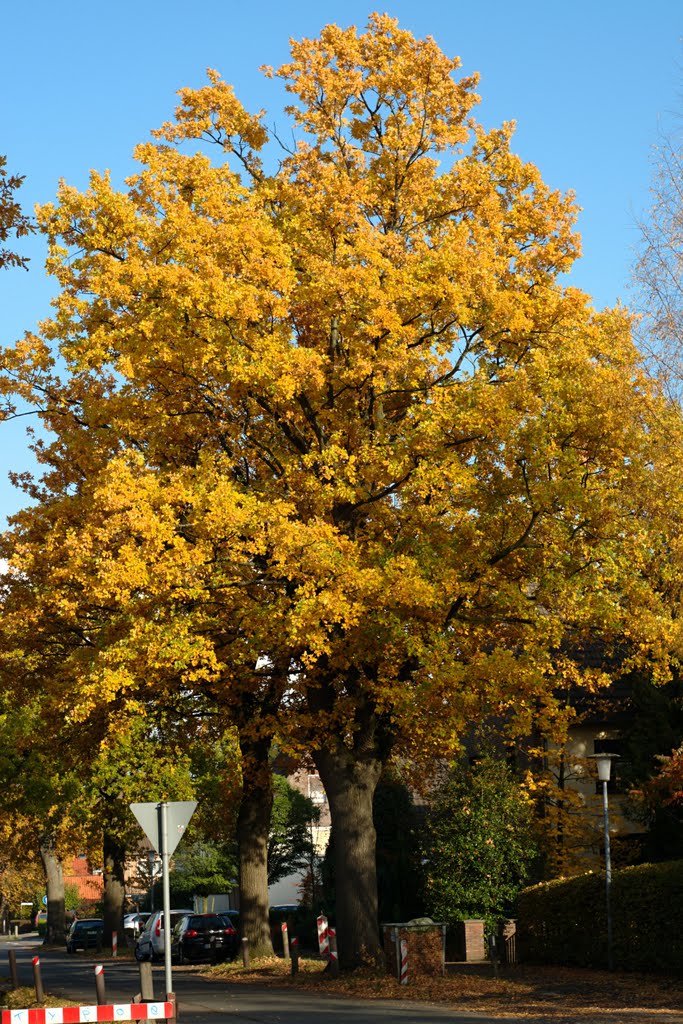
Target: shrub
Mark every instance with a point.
(565, 921)
(478, 844)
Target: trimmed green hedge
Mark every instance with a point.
(565, 921)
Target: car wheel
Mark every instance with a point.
(139, 955)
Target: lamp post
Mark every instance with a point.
(604, 766)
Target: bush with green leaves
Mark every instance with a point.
(564, 921)
(479, 844)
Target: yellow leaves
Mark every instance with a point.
(345, 80)
(215, 113)
(340, 412)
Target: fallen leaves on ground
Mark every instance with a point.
(537, 994)
(25, 999)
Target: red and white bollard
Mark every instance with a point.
(99, 985)
(294, 948)
(114, 943)
(323, 937)
(38, 980)
(334, 955)
(403, 970)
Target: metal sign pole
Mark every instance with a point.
(154, 821)
(163, 830)
(151, 860)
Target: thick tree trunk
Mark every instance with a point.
(253, 824)
(54, 883)
(114, 888)
(350, 782)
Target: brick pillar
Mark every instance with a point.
(475, 948)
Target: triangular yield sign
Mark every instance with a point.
(178, 815)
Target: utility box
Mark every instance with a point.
(426, 946)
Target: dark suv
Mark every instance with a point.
(203, 937)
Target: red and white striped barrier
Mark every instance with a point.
(403, 978)
(323, 936)
(78, 1014)
(114, 943)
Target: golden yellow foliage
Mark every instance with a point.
(335, 449)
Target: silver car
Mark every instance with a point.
(150, 942)
(133, 924)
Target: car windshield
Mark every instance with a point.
(202, 923)
(87, 926)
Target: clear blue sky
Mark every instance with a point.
(590, 83)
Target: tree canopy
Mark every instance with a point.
(335, 450)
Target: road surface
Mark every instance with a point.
(202, 1001)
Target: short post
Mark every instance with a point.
(493, 953)
(99, 985)
(245, 953)
(323, 937)
(334, 955)
(146, 981)
(295, 955)
(38, 980)
(170, 998)
(14, 977)
(285, 939)
(403, 975)
(114, 943)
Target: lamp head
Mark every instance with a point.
(604, 765)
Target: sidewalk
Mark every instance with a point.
(542, 995)
(27, 938)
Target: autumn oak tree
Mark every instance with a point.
(335, 449)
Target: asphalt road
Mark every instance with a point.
(212, 1002)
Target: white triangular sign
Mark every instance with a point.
(178, 815)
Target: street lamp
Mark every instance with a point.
(604, 766)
